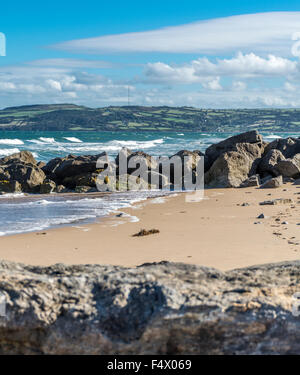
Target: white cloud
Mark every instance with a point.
(203, 70)
(30, 85)
(213, 84)
(289, 86)
(264, 33)
(54, 84)
(239, 85)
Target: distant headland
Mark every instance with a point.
(70, 117)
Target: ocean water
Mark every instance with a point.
(48, 145)
(20, 214)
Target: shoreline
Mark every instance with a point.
(216, 232)
(78, 197)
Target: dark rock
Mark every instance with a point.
(60, 168)
(272, 183)
(274, 202)
(85, 179)
(78, 165)
(251, 181)
(28, 175)
(50, 167)
(10, 186)
(82, 189)
(47, 187)
(41, 164)
(288, 147)
(145, 232)
(268, 162)
(288, 167)
(157, 309)
(61, 189)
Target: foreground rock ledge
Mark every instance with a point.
(165, 308)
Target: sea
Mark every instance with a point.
(20, 213)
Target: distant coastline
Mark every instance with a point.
(70, 117)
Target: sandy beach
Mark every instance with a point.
(220, 231)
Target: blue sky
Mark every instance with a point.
(198, 53)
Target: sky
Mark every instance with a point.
(204, 54)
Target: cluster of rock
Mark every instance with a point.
(21, 172)
(240, 161)
(165, 308)
(246, 160)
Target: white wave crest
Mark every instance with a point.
(73, 139)
(47, 140)
(271, 136)
(8, 151)
(11, 142)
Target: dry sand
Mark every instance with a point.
(217, 232)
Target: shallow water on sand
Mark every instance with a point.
(20, 214)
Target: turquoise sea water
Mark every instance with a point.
(18, 214)
(47, 145)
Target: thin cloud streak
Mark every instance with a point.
(264, 33)
(74, 63)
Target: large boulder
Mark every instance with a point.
(21, 169)
(78, 165)
(289, 167)
(29, 176)
(10, 186)
(156, 309)
(25, 157)
(47, 187)
(288, 147)
(59, 168)
(267, 163)
(84, 179)
(232, 168)
(230, 144)
(51, 166)
(272, 183)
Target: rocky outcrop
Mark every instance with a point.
(267, 163)
(21, 169)
(70, 166)
(164, 308)
(289, 167)
(25, 157)
(243, 160)
(232, 168)
(288, 147)
(230, 144)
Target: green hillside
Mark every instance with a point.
(136, 118)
